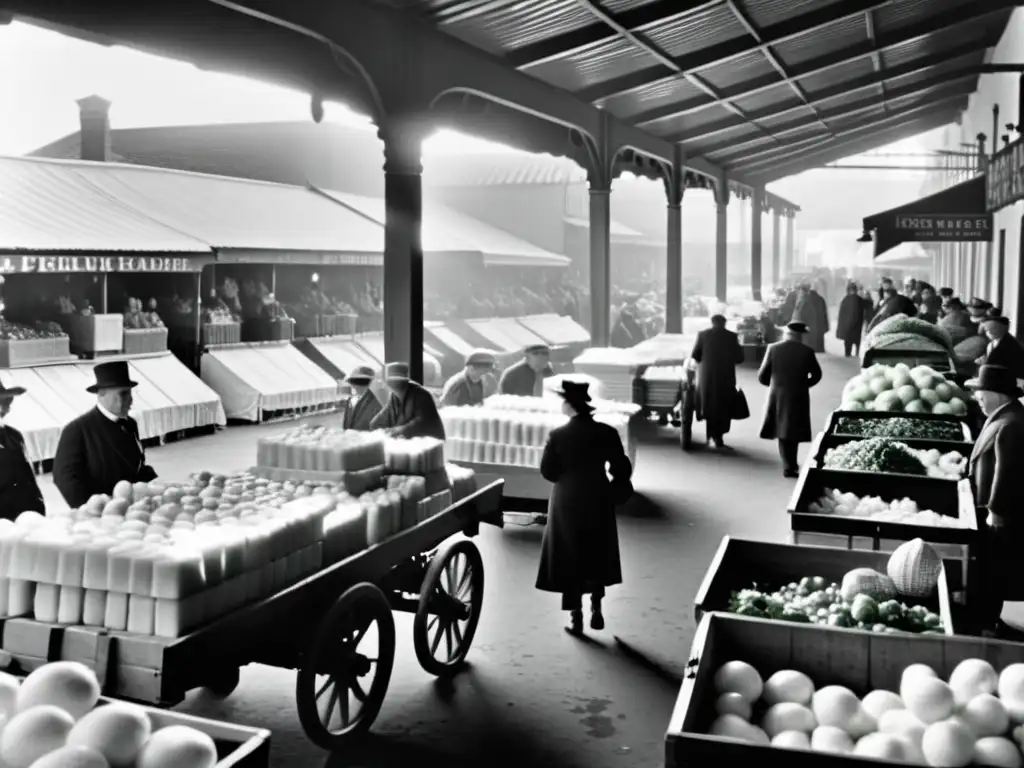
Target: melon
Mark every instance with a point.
(944, 391)
(915, 568)
(117, 731)
(70, 685)
(907, 393)
(866, 581)
(929, 396)
(880, 385)
(33, 734)
(178, 746)
(852, 405)
(942, 409)
(123, 490)
(72, 757)
(888, 401)
(958, 407)
(901, 379)
(916, 406)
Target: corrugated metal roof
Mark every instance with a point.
(49, 206)
(497, 169)
(447, 230)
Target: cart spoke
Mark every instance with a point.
(437, 638)
(360, 634)
(465, 583)
(332, 702)
(343, 706)
(432, 623)
(448, 641)
(357, 690)
(324, 687)
(458, 634)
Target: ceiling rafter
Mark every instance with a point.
(748, 24)
(876, 57)
(915, 67)
(770, 155)
(856, 146)
(704, 59)
(941, 83)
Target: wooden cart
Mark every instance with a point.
(316, 626)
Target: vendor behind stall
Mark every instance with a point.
(526, 378)
(475, 383)
(102, 447)
(1003, 349)
(363, 405)
(19, 491)
(410, 411)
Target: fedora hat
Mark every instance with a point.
(361, 374)
(537, 349)
(996, 378)
(797, 327)
(113, 375)
(396, 372)
(10, 391)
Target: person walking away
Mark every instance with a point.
(850, 323)
(526, 378)
(19, 491)
(362, 406)
(101, 447)
(410, 411)
(789, 370)
(869, 307)
(1003, 349)
(474, 383)
(811, 310)
(996, 466)
(718, 351)
(580, 550)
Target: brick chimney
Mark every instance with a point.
(94, 113)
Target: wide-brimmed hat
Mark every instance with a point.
(576, 393)
(361, 374)
(483, 358)
(798, 327)
(537, 349)
(113, 375)
(997, 319)
(10, 391)
(976, 303)
(996, 378)
(396, 372)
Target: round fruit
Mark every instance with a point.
(739, 677)
(949, 744)
(116, 731)
(72, 757)
(788, 685)
(733, 704)
(34, 733)
(66, 684)
(930, 699)
(178, 746)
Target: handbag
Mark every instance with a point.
(740, 409)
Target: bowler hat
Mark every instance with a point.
(481, 357)
(796, 327)
(113, 375)
(996, 378)
(537, 349)
(10, 391)
(361, 374)
(396, 372)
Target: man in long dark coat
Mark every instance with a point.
(526, 378)
(19, 491)
(996, 466)
(363, 405)
(101, 447)
(789, 370)
(411, 410)
(474, 383)
(718, 351)
(1003, 349)
(850, 324)
(811, 310)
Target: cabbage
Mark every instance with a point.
(901, 324)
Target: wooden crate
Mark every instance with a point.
(740, 563)
(139, 341)
(237, 746)
(95, 333)
(861, 661)
(221, 333)
(825, 442)
(18, 352)
(836, 415)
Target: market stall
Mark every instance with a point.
(373, 346)
(561, 332)
(484, 334)
(452, 349)
(258, 380)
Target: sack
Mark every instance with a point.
(740, 409)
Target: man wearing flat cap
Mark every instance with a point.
(19, 491)
(410, 411)
(789, 370)
(1003, 349)
(102, 447)
(996, 466)
(474, 383)
(526, 378)
(363, 405)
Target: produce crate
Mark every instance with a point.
(95, 333)
(315, 326)
(355, 483)
(824, 442)
(836, 415)
(18, 352)
(739, 563)
(945, 497)
(139, 341)
(938, 361)
(221, 333)
(261, 329)
(345, 325)
(861, 661)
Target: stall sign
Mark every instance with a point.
(941, 227)
(1004, 182)
(20, 264)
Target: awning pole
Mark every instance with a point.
(104, 298)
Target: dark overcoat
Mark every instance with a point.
(413, 415)
(996, 465)
(718, 351)
(360, 412)
(520, 379)
(850, 324)
(789, 370)
(94, 454)
(1008, 353)
(19, 491)
(459, 390)
(581, 543)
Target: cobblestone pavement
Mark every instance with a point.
(533, 695)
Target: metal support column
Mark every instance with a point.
(756, 251)
(722, 241)
(675, 186)
(600, 264)
(403, 246)
(790, 242)
(776, 247)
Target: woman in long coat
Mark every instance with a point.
(718, 351)
(580, 552)
(851, 320)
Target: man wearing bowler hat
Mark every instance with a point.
(363, 405)
(411, 411)
(102, 447)
(1003, 349)
(996, 466)
(19, 491)
(474, 383)
(526, 378)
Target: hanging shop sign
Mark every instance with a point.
(1004, 183)
(21, 264)
(933, 228)
(299, 258)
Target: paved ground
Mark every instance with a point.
(535, 696)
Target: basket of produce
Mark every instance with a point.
(909, 334)
(939, 427)
(92, 333)
(903, 592)
(883, 506)
(825, 696)
(22, 345)
(882, 455)
(938, 452)
(900, 388)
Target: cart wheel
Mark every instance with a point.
(346, 668)
(224, 683)
(450, 602)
